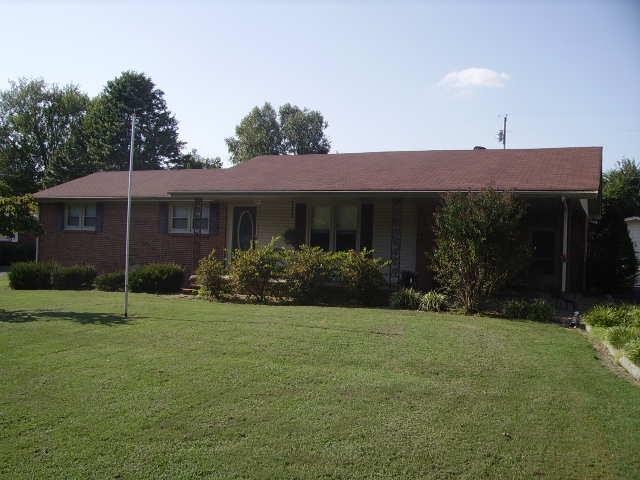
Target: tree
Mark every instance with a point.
(108, 123)
(257, 134)
(40, 127)
(478, 249)
(297, 131)
(17, 215)
(612, 264)
(303, 130)
(194, 160)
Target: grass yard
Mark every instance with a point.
(189, 389)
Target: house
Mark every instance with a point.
(633, 226)
(384, 201)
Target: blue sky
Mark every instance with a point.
(386, 76)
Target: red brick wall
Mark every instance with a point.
(105, 249)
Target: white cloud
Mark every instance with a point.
(473, 77)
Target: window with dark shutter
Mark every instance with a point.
(366, 227)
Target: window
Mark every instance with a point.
(321, 227)
(181, 219)
(79, 216)
(346, 228)
(334, 228)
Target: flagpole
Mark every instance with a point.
(126, 254)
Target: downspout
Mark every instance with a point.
(565, 241)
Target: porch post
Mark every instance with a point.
(396, 239)
(565, 242)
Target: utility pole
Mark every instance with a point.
(126, 254)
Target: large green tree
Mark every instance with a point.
(107, 126)
(292, 131)
(40, 130)
(17, 215)
(612, 264)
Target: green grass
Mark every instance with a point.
(189, 389)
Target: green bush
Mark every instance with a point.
(620, 335)
(606, 316)
(255, 272)
(479, 247)
(362, 277)
(405, 298)
(157, 278)
(632, 351)
(110, 282)
(76, 277)
(31, 275)
(308, 273)
(211, 276)
(433, 301)
(538, 309)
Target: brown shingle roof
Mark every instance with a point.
(546, 169)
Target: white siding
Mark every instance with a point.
(274, 217)
(633, 225)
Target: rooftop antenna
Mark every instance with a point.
(126, 254)
(502, 134)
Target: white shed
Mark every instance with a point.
(633, 225)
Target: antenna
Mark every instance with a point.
(502, 134)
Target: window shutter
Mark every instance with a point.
(301, 223)
(99, 216)
(366, 226)
(163, 218)
(214, 218)
(61, 209)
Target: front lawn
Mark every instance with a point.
(189, 389)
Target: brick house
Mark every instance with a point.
(383, 201)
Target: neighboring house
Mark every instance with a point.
(633, 225)
(383, 201)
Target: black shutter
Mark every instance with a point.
(99, 217)
(214, 218)
(163, 218)
(366, 226)
(60, 210)
(301, 223)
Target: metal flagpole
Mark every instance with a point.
(126, 254)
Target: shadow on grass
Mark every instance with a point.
(83, 318)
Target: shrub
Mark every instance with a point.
(31, 275)
(157, 278)
(606, 316)
(255, 270)
(405, 298)
(361, 274)
(632, 351)
(478, 245)
(538, 309)
(620, 335)
(76, 277)
(433, 302)
(110, 282)
(308, 272)
(211, 276)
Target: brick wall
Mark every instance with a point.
(105, 249)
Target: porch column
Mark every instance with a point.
(565, 242)
(396, 239)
